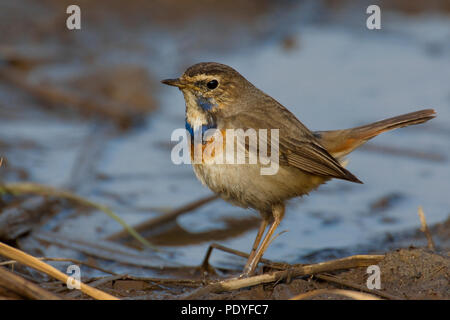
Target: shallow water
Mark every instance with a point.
(336, 75)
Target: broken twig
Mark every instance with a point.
(75, 261)
(34, 263)
(425, 230)
(23, 287)
(346, 293)
(352, 285)
(333, 265)
(205, 264)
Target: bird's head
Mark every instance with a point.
(210, 87)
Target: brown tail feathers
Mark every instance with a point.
(341, 142)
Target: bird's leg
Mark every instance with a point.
(262, 228)
(278, 213)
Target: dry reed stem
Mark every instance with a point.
(334, 279)
(272, 264)
(34, 263)
(425, 230)
(346, 293)
(23, 287)
(333, 265)
(75, 261)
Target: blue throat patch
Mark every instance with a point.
(205, 127)
(205, 103)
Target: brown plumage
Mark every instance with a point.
(341, 142)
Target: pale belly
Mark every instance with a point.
(243, 184)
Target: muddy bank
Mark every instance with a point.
(406, 273)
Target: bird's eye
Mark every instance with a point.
(212, 84)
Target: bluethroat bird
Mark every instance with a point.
(218, 97)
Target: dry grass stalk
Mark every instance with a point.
(206, 267)
(75, 261)
(23, 287)
(346, 293)
(34, 263)
(425, 230)
(333, 265)
(334, 279)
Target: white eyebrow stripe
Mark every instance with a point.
(200, 77)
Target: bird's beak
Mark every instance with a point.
(174, 82)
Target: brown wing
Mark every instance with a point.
(297, 145)
(311, 157)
